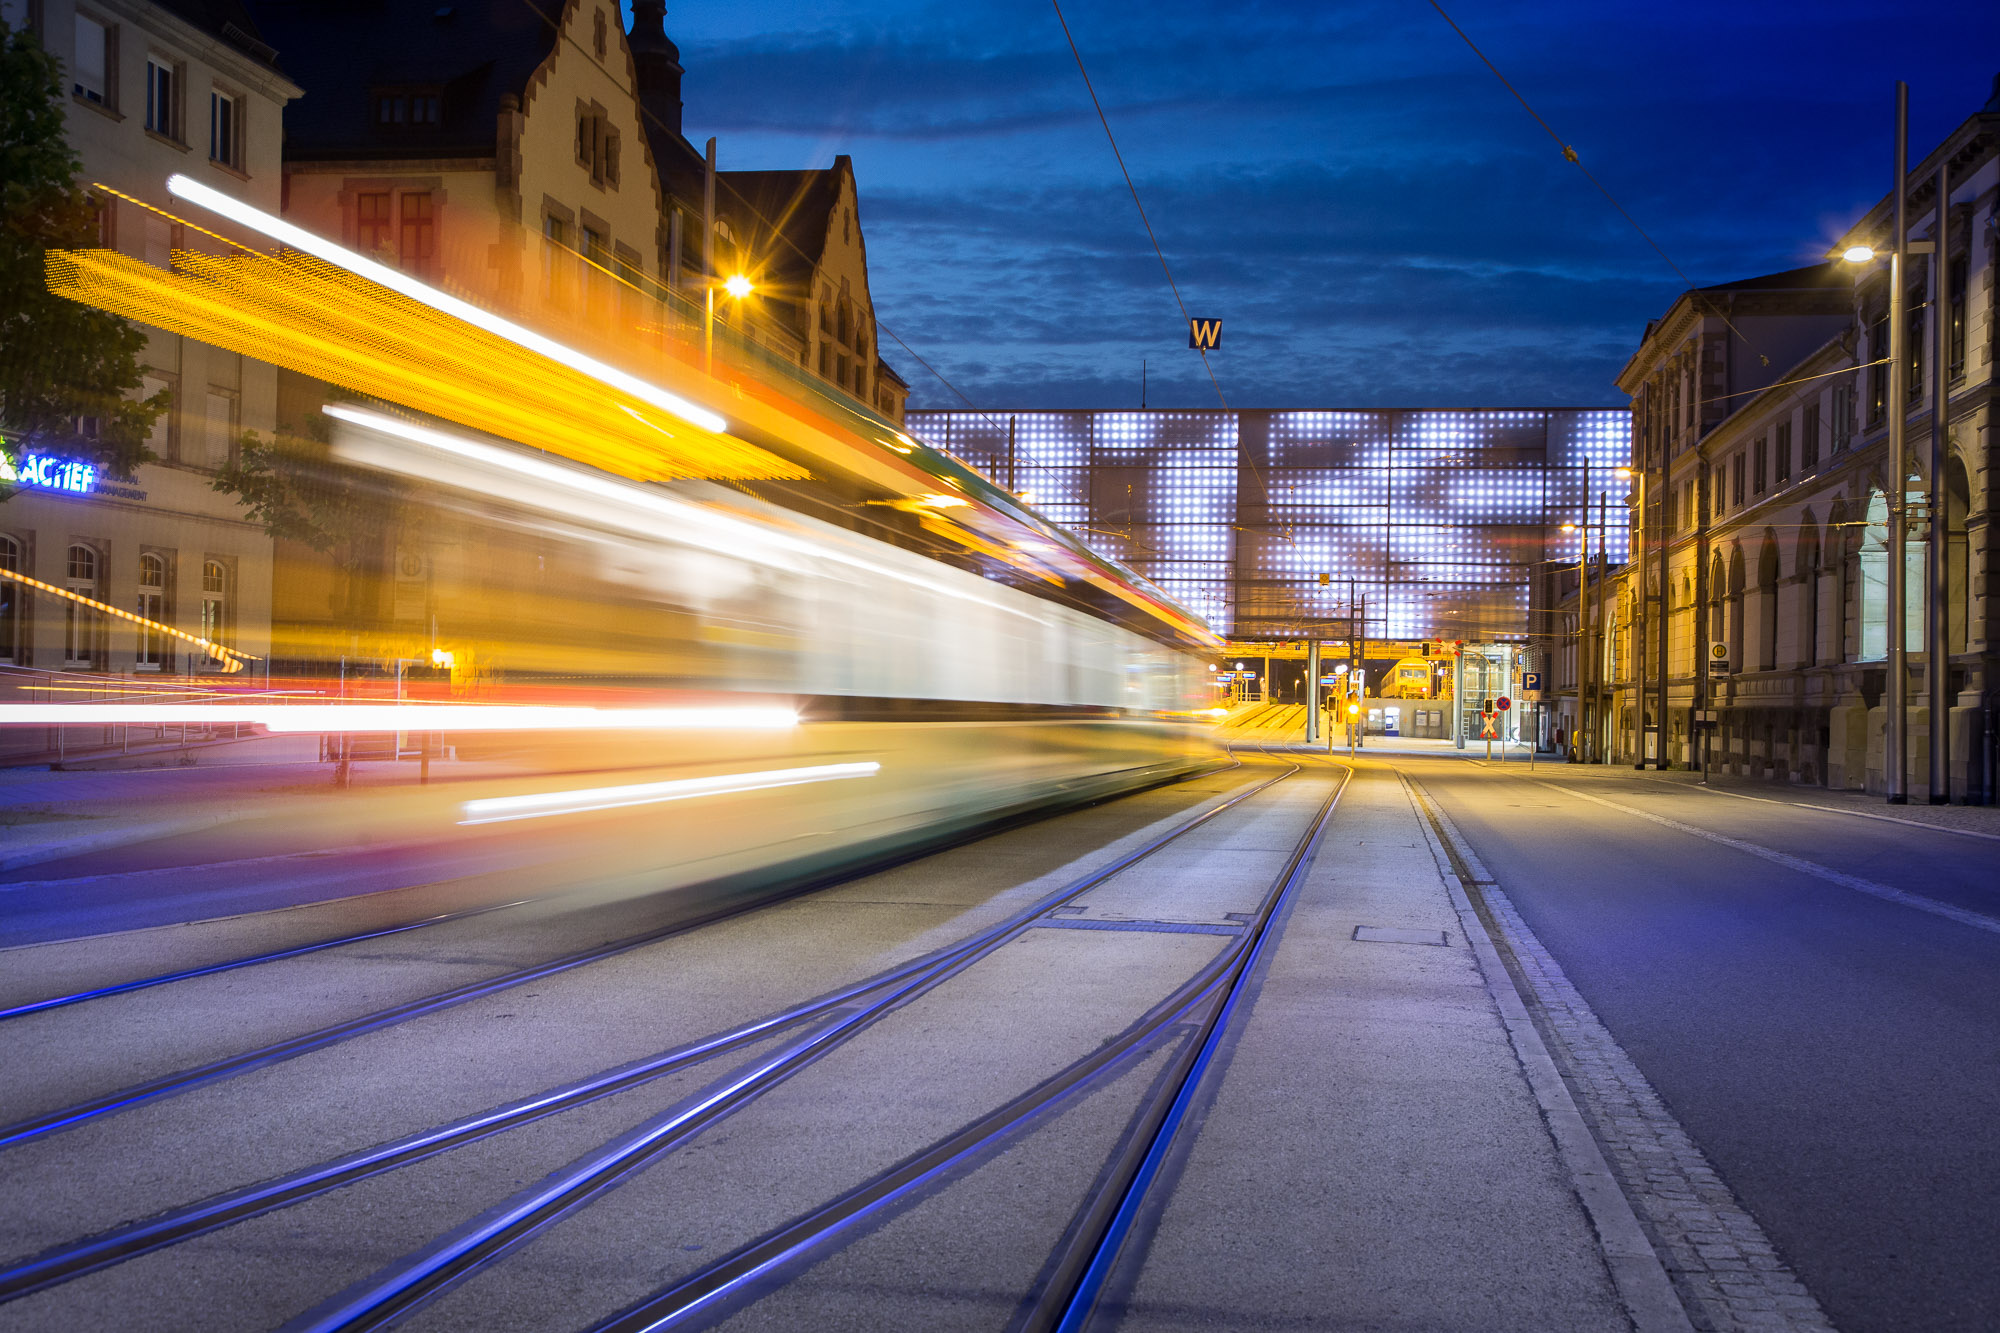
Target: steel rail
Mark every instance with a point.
(276, 955)
(169, 1085)
(1094, 1246)
(74, 1259)
(1214, 989)
(399, 1288)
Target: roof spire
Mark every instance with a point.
(657, 62)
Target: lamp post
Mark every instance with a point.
(1637, 500)
(1896, 703)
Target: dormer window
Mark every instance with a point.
(406, 109)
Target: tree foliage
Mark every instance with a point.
(295, 487)
(61, 363)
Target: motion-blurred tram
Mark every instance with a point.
(595, 514)
(972, 698)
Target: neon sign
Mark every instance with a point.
(49, 474)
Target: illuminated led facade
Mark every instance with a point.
(1436, 515)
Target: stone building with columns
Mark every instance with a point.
(1761, 423)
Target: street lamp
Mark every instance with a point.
(1897, 701)
(739, 286)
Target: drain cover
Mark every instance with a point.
(1397, 935)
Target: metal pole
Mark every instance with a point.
(1635, 537)
(1937, 648)
(1312, 691)
(1458, 698)
(1895, 759)
(1361, 673)
(1582, 727)
(708, 260)
(1600, 647)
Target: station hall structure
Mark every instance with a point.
(1267, 522)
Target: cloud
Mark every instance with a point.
(1375, 217)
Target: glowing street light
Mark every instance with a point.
(738, 286)
(1858, 254)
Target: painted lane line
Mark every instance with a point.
(1836, 810)
(1964, 917)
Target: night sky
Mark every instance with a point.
(1375, 219)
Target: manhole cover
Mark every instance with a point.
(1397, 935)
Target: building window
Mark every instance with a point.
(407, 109)
(91, 78)
(419, 240)
(225, 129)
(1759, 458)
(163, 111)
(214, 607)
(152, 607)
(80, 622)
(1809, 438)
(1736, 481)
(219, 444)
(371, 223)
(1843, 416)
(1782, 445)
(597, 146)
(599, 37)
(10, 601)
(1955, 331)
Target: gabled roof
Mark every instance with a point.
(228, 20)
(782, 217)
(1812, 277)
(473, 52)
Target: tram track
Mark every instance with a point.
(839, 1014)
(1104, 1227)
(172, 1084)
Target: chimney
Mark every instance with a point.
(658, 63)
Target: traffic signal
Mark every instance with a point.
(1353, 708)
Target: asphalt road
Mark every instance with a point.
(1836, 1054)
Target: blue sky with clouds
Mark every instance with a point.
(1375, 219)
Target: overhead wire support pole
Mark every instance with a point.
(1895, 740)
(1937, 622)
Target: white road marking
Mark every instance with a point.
(1977, 920)
(1836, 810)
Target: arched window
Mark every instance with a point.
(1767, 607)
(80, 622)
(1737, 643)
(10, 601)
(1809, 589)
(214, 605)
(1716, 632)
(1874, 609)
(152, 608)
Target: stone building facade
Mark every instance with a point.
(156, 87)
(1763, 505)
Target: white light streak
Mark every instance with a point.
(181, 187)
(497, 809)
(294, 718)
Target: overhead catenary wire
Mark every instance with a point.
(1125, 171)
(1571, 156)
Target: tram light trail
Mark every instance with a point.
(298, 238)
(339, 718)
(499, 809)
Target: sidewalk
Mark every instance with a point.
(1380, 1151)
